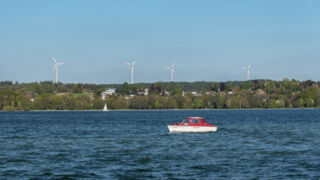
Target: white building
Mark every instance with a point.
(194, 93)
(146, 91)
(108, 91)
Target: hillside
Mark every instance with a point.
(161, 95)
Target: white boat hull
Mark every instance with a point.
(175, 128)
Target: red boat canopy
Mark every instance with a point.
(200, 119)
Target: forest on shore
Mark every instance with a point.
(161, 95)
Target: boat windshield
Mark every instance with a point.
(190, 121)
(185, 121)
(195, 121)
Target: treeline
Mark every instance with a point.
(178, 95)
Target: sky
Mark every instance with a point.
(209, 40)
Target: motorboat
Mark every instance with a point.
(192, 124)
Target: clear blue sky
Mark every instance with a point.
(209, 40)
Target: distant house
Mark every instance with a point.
(166, 93)
(195, 93)
(210, 92)
(145, 92)
(108, 91)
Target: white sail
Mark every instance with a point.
(105, 108)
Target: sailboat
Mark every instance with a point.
(105, 108)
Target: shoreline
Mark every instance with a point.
(116, 110)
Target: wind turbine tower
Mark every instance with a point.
(172, 70)
(247, 68)
(132, 69)
(55, 67)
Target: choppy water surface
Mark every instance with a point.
(263, 144)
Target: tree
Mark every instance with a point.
(125, 89)
(120, 103)
(251, 94)
(77, 88)
(180, 101)
(171, 103)
(155, 88)
(245, 86)
(218, 102)
(176, 91)
(222, 86)
(97, 103)
(228, 86)
(214, 87)
(139, 102)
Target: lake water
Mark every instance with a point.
(249, 144)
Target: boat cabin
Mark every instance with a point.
(193, 121)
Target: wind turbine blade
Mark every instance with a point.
(173, 63)
(128, 63)
(54, 60)
(60, 64)
(134, 62)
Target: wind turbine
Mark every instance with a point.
(55, 67)
(172, 70)
(247, 68)
(132, 69)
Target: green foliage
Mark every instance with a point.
(222, 86)
(127, 89)
(214, 87)
(155, 88)
(77, 88)
(232, 95)
(176, 91)
(8, 108)
(228, 86)
(120, 103)
(245, 86)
